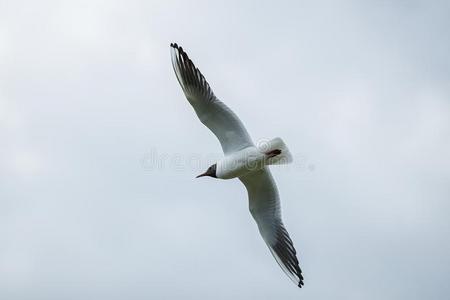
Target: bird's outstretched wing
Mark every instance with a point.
(211, 111)
(264, 206)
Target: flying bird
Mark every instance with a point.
(243, 160)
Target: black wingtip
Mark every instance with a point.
(180, 50)
(300, 280)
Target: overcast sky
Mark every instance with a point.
(99, 149)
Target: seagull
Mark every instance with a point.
(243, 160)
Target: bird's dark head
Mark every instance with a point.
(210, 172)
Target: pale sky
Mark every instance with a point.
(100, 148)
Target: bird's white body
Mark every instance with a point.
(239, 163)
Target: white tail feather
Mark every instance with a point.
(273, 156)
